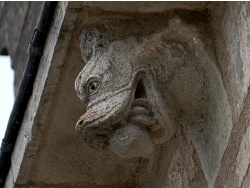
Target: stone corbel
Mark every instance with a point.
(139, 89)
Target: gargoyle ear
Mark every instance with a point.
(91, 42)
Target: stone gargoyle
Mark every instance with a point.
(138, 90)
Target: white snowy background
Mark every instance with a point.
(6, 93)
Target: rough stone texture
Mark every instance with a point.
(17, 20)
(141, 7)
(186, 87)
(213, 152)
(231, 36)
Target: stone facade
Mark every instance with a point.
(169, 78)
(17, 20)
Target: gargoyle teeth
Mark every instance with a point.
(143, 120)
(155, 127)
(141, 102)
(139, 110)
(142, 115)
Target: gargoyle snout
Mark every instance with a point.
(80, 121)
(80, 125)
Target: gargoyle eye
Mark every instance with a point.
(93, 86)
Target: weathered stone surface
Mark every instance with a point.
(141, 7)
(231, 36)
(186, 76)
(209, 145)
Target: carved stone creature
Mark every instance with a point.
(129, 106)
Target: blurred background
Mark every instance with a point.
(17, 23)
(6, 92)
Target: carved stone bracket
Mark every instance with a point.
(125, 86)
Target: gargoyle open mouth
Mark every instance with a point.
(141, 112)
(111, 111)
(124, 120)
(134, 139)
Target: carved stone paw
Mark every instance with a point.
(131, 141)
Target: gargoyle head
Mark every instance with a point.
(124, 87)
